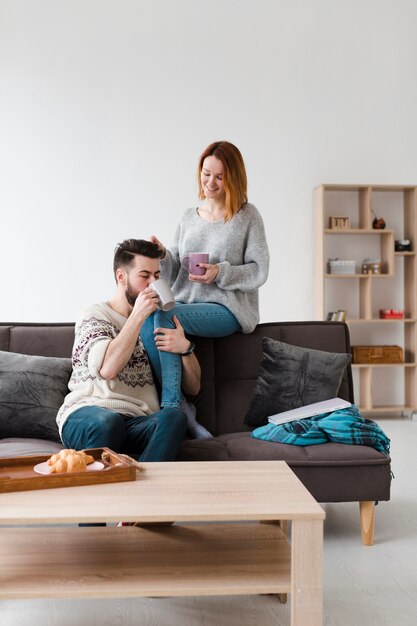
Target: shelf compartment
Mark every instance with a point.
(375, 365)
(386, 246)
(359, 231)
(394, 410)
(377, 320)
(361, 276)
(132, 562)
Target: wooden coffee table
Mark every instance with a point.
(216, 556)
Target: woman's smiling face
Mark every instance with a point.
(212, 178)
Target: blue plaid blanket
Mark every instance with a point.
(343, 426)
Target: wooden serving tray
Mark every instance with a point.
(17, 473)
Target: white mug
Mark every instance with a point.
(164, 293)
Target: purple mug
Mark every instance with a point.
(191, 261)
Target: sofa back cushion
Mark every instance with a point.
(230, 368)
(38, 339)
(230, 365)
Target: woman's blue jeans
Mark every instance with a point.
(155, 437)
(200, 319)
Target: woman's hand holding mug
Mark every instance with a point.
(210, 275)
(199, 268)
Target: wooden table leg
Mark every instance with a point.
(283, 524)
(307, 573)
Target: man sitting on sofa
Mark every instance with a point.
(113, 401)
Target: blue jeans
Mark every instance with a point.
(155, 437)
(200, 319)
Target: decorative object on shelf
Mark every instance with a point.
(341, 266)
(391, 314)
(377, 355)
(402, 245)
(339, 223)
(378, 223)
(371, 266)
(336, 316)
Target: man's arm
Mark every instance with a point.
(174, 340)
(191, 374)
(120, 349)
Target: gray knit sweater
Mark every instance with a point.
(239, 247)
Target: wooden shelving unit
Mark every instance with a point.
(362, 295)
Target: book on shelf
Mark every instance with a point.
(336, 316)
(309, 410)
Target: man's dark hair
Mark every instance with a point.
(124, 252)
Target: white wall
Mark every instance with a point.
(106, 105)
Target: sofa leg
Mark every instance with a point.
(367, 515)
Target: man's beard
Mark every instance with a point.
(130, 294)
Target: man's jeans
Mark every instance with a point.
(155, 437)
(200, 319)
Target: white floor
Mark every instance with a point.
(363, 586)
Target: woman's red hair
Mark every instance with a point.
(234, 175)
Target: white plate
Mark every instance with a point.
(43, 468)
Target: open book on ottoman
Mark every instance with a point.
(309, 410)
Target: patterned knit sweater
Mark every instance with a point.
(239, 247)
(133, 391)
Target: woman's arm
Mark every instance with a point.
(254, 272)
(170, 262)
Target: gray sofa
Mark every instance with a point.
(332, 472)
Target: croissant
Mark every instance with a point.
(69, 461)
(87, 457)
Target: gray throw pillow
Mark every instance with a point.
(290, 377)
(32, 389)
